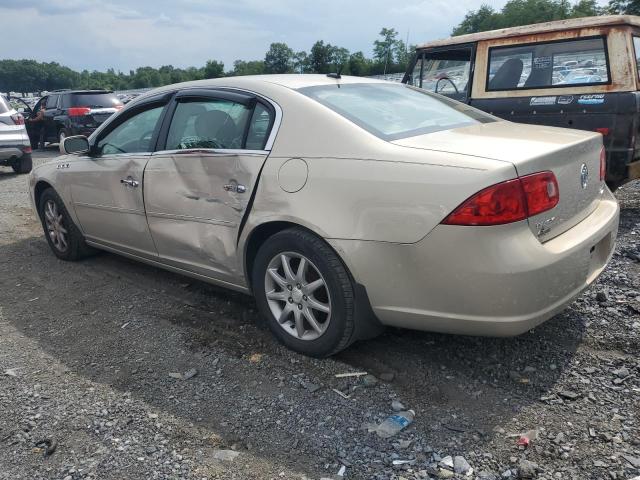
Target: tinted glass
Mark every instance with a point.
(133, 135)
(52, 101)
(636, 45)
(259, 128)
(392, 111)
(551, 64)
(94, 100)
(4, 106)
(208, 124)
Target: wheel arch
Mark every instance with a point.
(38, 190)
(260, 234)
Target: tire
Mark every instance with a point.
(74, 246)
(23, 165)
(334, 330)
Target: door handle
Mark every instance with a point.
(129, 182)
(233, 187)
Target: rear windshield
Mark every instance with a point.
(4, 106)
(548, 64)
(94, 100)
(393, 111)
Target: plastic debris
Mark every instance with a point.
(525, 439)
(393, 424)
(343, 395)
(225, 455)
(351, 374)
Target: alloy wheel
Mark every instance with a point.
(55, 226)
(298, 296)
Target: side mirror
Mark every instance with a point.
(76, 144)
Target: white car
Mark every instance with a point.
(15, 147)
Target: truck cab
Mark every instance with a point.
(578, 73)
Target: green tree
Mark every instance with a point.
(483, 19)
(624, 7)
(359, 65)
(278, 59)
(252, 67)
(320, 57)
(525, 12)
(301, 62)
(213, 69)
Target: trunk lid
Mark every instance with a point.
(572, 155)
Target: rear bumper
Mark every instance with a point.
(494, 281)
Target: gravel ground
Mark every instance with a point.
(133, 372)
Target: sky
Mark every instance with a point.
(126, 34)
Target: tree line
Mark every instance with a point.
(390, 55)
(525, 12)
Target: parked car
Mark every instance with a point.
(579, 73)
(72, 112)
(341, 204)
(15, 149)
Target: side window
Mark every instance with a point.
(52, 102)
(446, 72)
(133, 135)
(636, 46)
(208, 123)
(259, 128)
(550, 64)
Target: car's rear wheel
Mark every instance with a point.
(305, 293)
(63, 236)
(62, 134)
(23, 164)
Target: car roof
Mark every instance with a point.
(291, 81)
(59, 92)
(557, 25)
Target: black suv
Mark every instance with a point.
(71, 112)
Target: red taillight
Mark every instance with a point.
(541, 191)
(27, 150)
(18, 119)
(604, 131)
(508, 202)
(119, 107)
(78, 111)
(603, 164)
(498, 204)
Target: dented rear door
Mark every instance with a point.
(199, 187)
(195, 203)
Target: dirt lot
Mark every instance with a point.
(90, 354)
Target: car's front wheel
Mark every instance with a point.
(63, 236)
(305, 293)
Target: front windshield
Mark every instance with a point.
(393, 111)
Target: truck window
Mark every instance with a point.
(444, 71)
(636, 46)
(548, 64)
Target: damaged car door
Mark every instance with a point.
(107, 188)
(197, 186)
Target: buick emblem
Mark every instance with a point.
(584, 175)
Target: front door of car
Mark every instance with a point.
(107, 188)
(33, 128)
(198, 187)
(50, 114)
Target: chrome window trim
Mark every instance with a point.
(212, 151)
(277, 121)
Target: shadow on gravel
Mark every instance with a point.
(128, 325)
